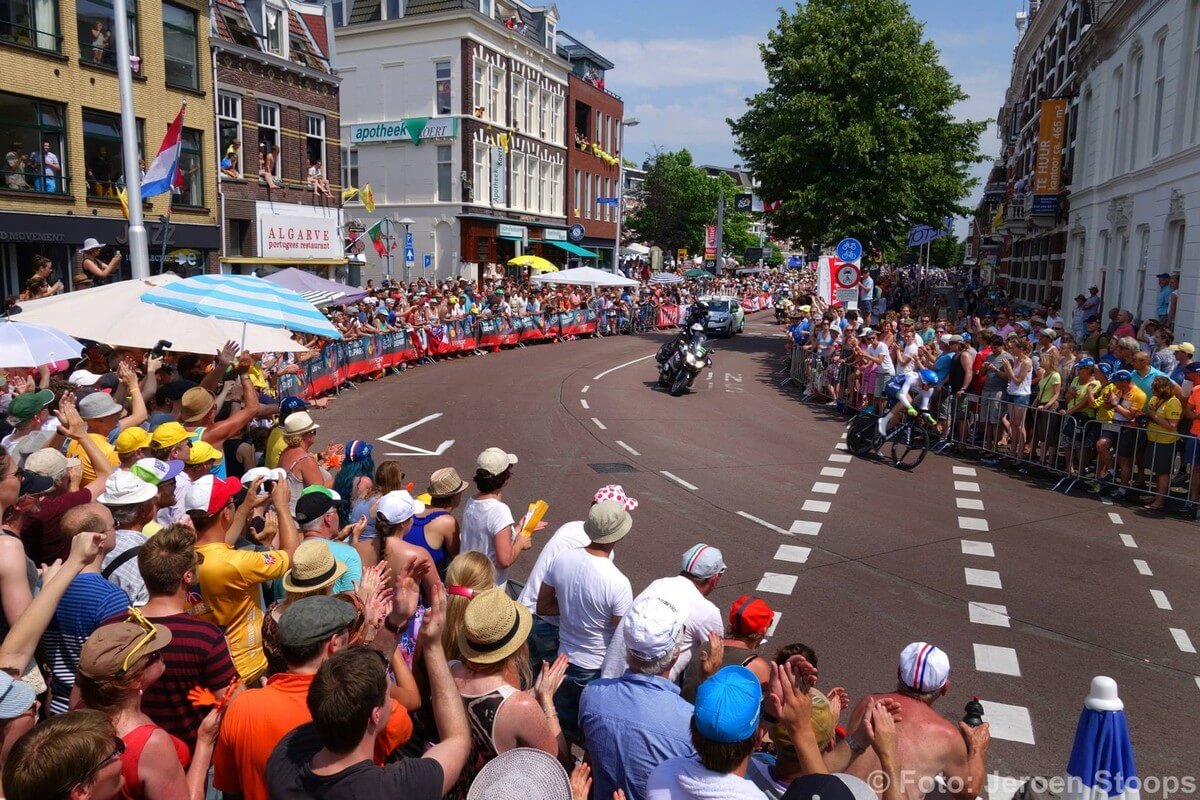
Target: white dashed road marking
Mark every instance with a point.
(599, 424)
(968, 504)
(762, 522)
(805, 527)
(584, 403)
(987, 578)
(964, 471)
(1142, 567)
(972, 523)
(679, 480)
(841, 446)
(839, 458)
(988, 614)
(819, 506)
(624, 446)
(966, 486)
(833, 472)
(1011, 723)
(1116, 518)
(1160, 599)
(585, 388)
(1182, 640)
(792, 553)
(1127, 540)
(777, 583)
(971, 548)
(825, 488)
(774, 623)
(1001, 660)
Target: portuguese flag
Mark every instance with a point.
(376, 235)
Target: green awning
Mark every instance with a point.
(571, 248)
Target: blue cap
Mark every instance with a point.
(1106, 368)
(290, 405)
(1192, 368)
(16, 697)
(966, 336)
(1087, 362)
(1122, 375)
(728, 705)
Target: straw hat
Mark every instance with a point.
(446, 482)
(494, 627)
(299, 422)
(523, 773)
(313, 567)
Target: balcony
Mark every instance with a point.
(1014, 220)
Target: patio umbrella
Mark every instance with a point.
(315, 289)
(697, 273)
(1101, 763)
(319, 297)
(586, 276)
(113, 314)
(244, 299)
(23, 344)
(535, 263)
(666, 277)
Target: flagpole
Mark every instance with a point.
(166, 232)
(139, 255)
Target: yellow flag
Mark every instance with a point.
(349, 193)
(504, 141)
(124, 198)
(368, 198)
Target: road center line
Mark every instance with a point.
(839, 458)
(627, 447)
(968, 503)
(821, 487)
(1142, 567)
(762, 522)
(585, 388)
(622, 366)
(966, 486)
(819, 506)
(974, 548)
(777, 583)
(1127, 540)
(1160, 599)
(678, 480)
(987, 578)
(1182, 640)
(600, 424)
(833, 472)
(584, 403)
(1115, 518)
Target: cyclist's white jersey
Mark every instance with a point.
(902, 387)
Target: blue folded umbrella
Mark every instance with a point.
(1101, 763)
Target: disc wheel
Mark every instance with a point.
(862, 434)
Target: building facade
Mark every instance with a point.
(1135, 210)
(61, 131)
(454, 112)
(279, 151)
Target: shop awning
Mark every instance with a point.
(314, 262)
(571, 248)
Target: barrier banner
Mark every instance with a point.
(530, 328)
(464, 334)
(668, 317)
(489, 333)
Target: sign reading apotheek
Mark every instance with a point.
(288, 237)
(499, 176)
(412, 130)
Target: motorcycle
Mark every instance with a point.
(678, 369)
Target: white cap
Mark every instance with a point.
(653, 626)
(924, 667)
(494, 461)
(83, 377)
(398, 506)
(123, 488)
(254, 473)
(1103, 696)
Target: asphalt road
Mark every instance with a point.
(1029, 592)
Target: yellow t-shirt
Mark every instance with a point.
(1132, 403)
(229, 595)
(75, 450)
(275, 447)
(1170, 409)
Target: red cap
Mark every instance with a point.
(750, 615)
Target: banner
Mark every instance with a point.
(710, 241)
(1047, 175)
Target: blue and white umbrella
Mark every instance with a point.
(666, 277)
(244, 299)
(1101, 764)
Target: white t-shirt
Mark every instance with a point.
(702, 617)
(481, 521)
(591, 591)
(910, 352)
(569, 536)
(881, 349)
(685, 778)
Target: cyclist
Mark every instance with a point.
(899, 391)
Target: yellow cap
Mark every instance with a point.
(131, 439)
(169, 434)
(202, 452)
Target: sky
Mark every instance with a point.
(683, 67)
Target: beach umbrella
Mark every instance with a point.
(1101, 764)
(666, 277)
(697, 273)
(24, 344)
(317, 290)
(244, 299)
(535, 263)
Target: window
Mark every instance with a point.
(34, 133)
(94, 21)
(479, 97)
(339, 13)
(556, 135)
(350, 170)
(485, 8)
(596, 198)
(239, 28)
(191, 152)
(33, 23)
(518, 181)
(481, 184)
(518, 103)
(497, 102)
(1160, 84)
(1122, 254)
(102, 155)
(587, 195)
(1143, 260)
(275, 23)
(533, 99)
(578, 190)
(1196, 77)
(531, 182)
(179, 46)
(1135, 109)
(544, 196)
(441, 87)
(268, 134)
(556, 196)
(445, 167)
(393, 9)
(1118, 90)
(1176, 233)
(551, 35)
(229, 126)
(302, 53)
(314, 140)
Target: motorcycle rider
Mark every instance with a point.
(697, 315)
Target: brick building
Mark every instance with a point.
(277, 93)
(60, 103)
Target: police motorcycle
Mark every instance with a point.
(682, 359)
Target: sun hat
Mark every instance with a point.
(750, 615)
(313, 506)
(123, 488)
(446, 482)
(98, 405)
(16, 697)
(155, 471)
(168, 435)
(523, 773)
(48, 462)
(607, 522)
(314, 619)
(358, 450)
(202, 452)
(1186, 347)
(210, 494)
(299, 422)
(652, 627)
(254, 473)
(398, 506)
(924, 667)
(83, 377)
(835, 786)
(494, 627)
(727, 705)
(130, 439)
(26, 406)
(616, 493)
(494, 461)
(196, 402)
(105, 651)
(702, 561)
(313, 567)
(90, 243)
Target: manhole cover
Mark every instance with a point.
(613, 466)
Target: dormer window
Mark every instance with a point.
(275, 25)
(487, 8)
(551, 35)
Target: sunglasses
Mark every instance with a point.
(117, 752)
(151, 632)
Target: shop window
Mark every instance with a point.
(229, 128)
(180, 47)
(32, 23)
(102, 154)
(34, 133)
(94, 22)
(190, 191)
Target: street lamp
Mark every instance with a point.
(616, 262)
(407, 222)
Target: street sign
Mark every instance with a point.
(847, 275)
(428, 260)
(681, 253)
(849, 249)
(743, 202)
(410, 255)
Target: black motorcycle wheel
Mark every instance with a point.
(662, 380)
(680, 384)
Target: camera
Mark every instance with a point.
(160, 347)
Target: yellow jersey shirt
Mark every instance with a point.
(229, 596)
(1169, 409)
(275, 447)
(75, 450)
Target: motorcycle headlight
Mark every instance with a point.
(694, 361)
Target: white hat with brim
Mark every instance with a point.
(90, 244)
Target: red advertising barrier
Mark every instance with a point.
(668, 317)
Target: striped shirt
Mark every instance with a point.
(88, 601)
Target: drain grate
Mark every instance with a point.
(610, 467)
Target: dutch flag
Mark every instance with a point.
(163, 174)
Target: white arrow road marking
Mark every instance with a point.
(411, 450)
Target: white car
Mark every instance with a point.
(725, 315)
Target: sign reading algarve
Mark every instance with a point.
(405, 130)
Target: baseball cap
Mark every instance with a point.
(924, 667)
(130, 439)
(1186, 347)
(169, 434)
(98, 405)
(314, 619)
(836, 786)
(1106, 369)
(16, 697)
(750, 615)
(1049, 333)
(48, 462)
(1093, 318)
(202, 452)
(291, 404)
(123, 488)
(1163, 275)
(395, 507)
(727, 705)
(33, 484)
(196, 402)
(83, 377)
(312, 506)
(653, 626)
(946, 339)
(155, 471)
(210, 494)
(702, 561)
(254, 473)
(868, 332)
(494, 461)
(1122, 375)
(106, 650)
(617, 494)
(1087, 361)
(317, 488)
(176, 389)
(607, 522)
(26, 406)
(1192, 368)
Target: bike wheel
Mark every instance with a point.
(861, 434)
(909, 447)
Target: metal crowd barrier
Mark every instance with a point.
(825, 380)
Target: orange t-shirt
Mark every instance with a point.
(256, 721)
(1194, 402)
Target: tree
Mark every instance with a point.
(855, 132)
(947, 251)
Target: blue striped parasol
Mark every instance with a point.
(1101, 764)
(244, 299)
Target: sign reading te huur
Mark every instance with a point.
(413, 129)
(297, 238)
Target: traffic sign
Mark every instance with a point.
(410, 255)
(847, 275)
(428, 260)
(849, 249)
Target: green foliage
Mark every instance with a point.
(855, 131)
(947, 251)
